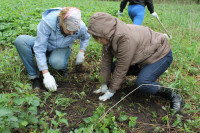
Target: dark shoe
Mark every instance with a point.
(63, 73)
(37, 83)
(176, 101)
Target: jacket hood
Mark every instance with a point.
(102, 25)
(50, 17)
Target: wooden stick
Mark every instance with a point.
(164, 28)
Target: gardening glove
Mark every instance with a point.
(106, 96)
(168, 37)
(79, 58)
(49, 82)
(119, 13)
(102, 89)
(154, 14)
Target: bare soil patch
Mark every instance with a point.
(80, 87)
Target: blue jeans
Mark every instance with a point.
(150, 73)
(136, 13)
(58, 58)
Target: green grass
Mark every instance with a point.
(22, 16)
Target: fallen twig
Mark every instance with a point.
(124, 98)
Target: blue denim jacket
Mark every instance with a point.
(49, 37)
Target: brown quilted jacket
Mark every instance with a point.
(129, 44)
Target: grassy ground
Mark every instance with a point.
(74, 107)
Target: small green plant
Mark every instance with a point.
(8, 120)
(81, 95)
(119, 108)
(157, 128)
(53, 126)
(60, 119)
(165, 119)
(93, 123)
(46, 95)
(132, 122)
(18, 110)
(129, 83)
(10, 67)
(192, 125)
(131, 105)
(94, 76)
(178, 122)
(123, 116)
(154, 115)
(61, 100)
(83, 110)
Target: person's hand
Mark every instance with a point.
(106, 96)
(119, 13)
(79, 58)
(168, 37)
(154, 14)
(102, 89)
(49, 82)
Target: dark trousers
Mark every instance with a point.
(149, 73)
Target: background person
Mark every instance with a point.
(56, 32)
(136, 9)
(135, 48)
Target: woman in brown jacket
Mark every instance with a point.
(135, 48)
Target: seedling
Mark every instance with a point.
(154, 115)
(132, 122)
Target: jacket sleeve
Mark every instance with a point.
(150, 6)
(40, 45)
(84, 38)
(123, 5)
(124, 57)
(107, 59)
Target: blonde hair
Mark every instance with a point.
(62, 14)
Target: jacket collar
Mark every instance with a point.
(50, 17)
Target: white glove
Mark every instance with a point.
(106, 96)
(49, 82)
(79, 58)
(168, 37)
(102, 89)
(119, 13)
(154, 14)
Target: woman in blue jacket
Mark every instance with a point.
(136, 9)
(56, 32)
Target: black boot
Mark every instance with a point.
(63, 73)
(36, 83)
(176, 101)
